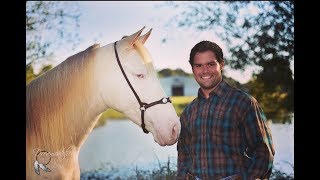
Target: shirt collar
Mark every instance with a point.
(221, 90)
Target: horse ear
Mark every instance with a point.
(133, 38)
(144, 37)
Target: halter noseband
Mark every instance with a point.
(143, 106)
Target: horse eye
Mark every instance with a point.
(140, 76)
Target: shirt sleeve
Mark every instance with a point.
(260, 149)
(184, 159)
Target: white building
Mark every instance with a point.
(179, 86)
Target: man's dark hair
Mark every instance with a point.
(205, 46)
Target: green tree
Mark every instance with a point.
(259, 33)
(165, 72)
(169, 72)
(30, 74)
(50, 25)
(255, 32)
(277, 103)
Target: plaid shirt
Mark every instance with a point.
(224, 135)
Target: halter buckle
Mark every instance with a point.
(164, 100)
(142, 108)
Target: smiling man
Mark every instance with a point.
(224, 132)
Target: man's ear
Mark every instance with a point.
(221, 65)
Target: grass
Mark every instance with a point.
(164, 171)
(179, 103)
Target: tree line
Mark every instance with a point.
(274, 104)
(257, 33)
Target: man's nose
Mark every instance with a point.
(205, 68)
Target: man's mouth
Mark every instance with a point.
(206, 77)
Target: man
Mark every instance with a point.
(224, 132)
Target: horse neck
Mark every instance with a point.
(62, 106)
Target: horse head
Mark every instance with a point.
(131, 86)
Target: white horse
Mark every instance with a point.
(64, 104)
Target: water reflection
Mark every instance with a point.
(122, 143)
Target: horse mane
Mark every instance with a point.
(51, 96)
(146, 57)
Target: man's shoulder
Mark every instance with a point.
(241, 94)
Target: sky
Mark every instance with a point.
(105, 22)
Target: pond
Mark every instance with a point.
(122, 144)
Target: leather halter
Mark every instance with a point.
(143, 106)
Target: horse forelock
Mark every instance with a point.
(146, 57)
(53, 95)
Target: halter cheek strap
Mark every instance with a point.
(143, 106)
